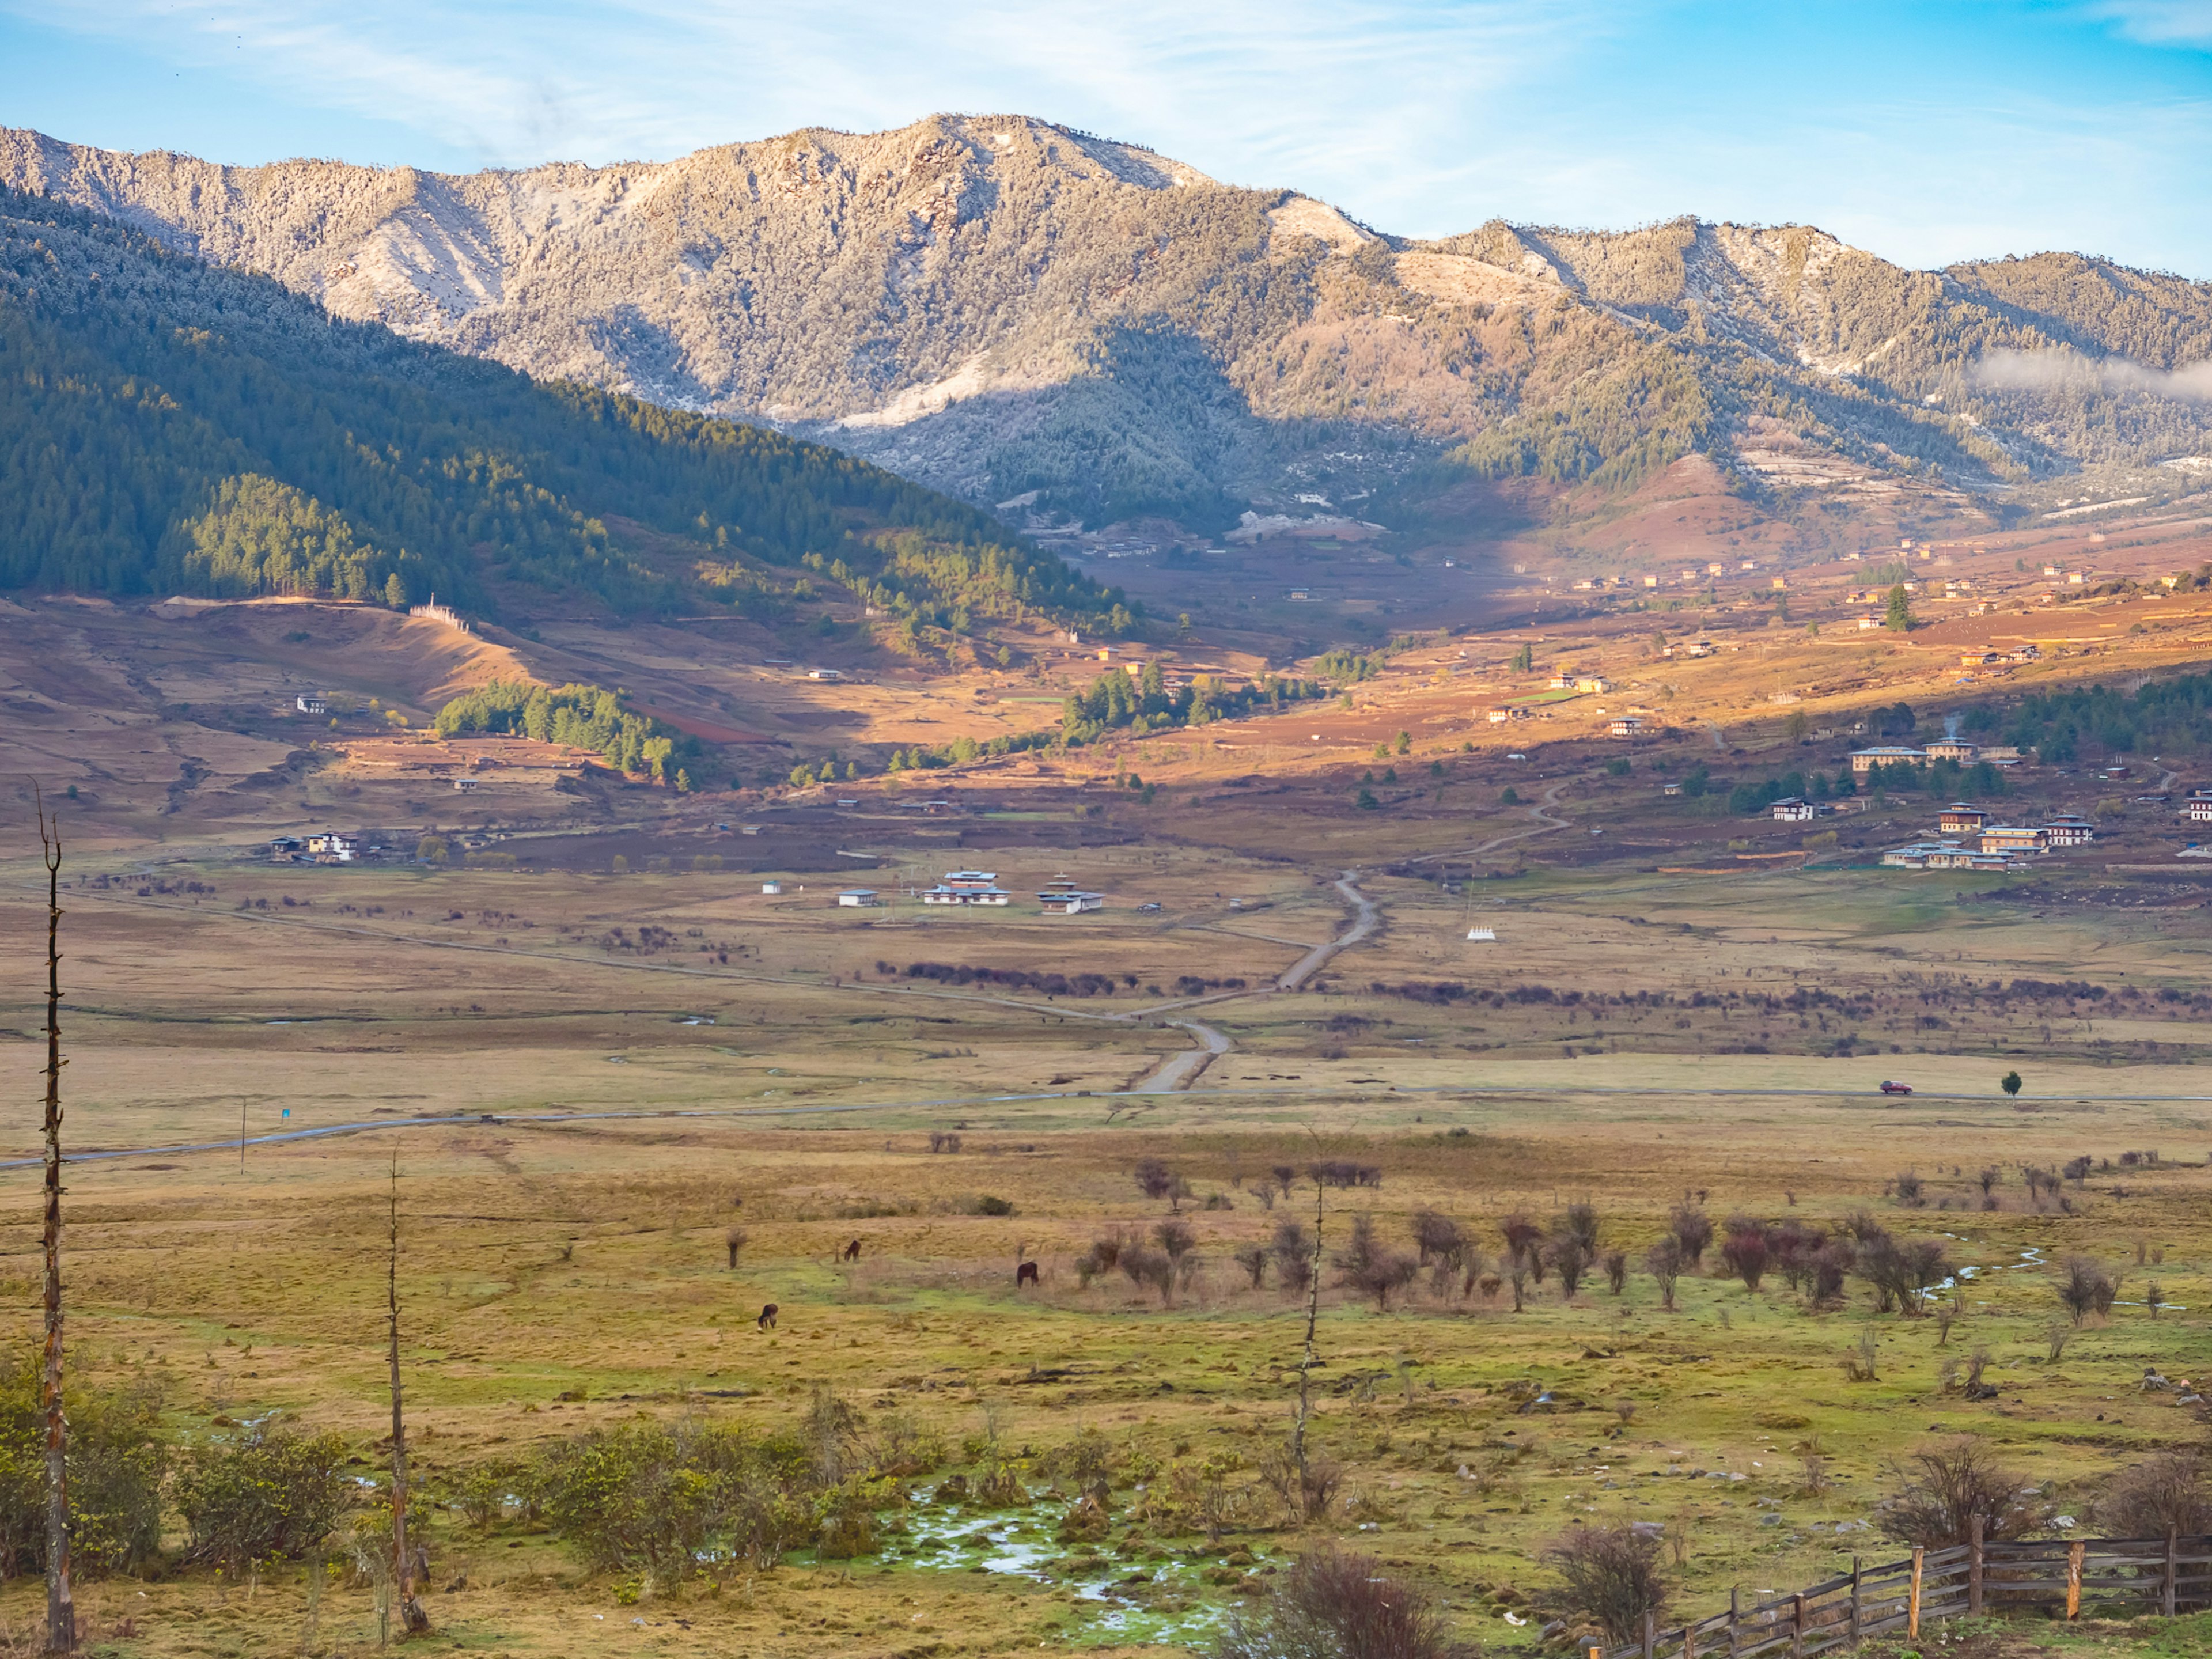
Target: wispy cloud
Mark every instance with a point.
(2066, 370)
(2160, 23)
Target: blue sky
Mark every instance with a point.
(1928, 131)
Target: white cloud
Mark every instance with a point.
(2065, 370)
(2160, 23)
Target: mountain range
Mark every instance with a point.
(1023, 315)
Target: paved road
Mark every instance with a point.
(1181, 1071)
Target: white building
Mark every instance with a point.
(858, 898)
(311, 702)
(967, 887)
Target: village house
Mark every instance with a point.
(1961, 819)
(1795, 809)
(1625, 726)
(771, 888)
(1865, 760)
(2068, 831)
(1062, 898)
(1561, 681)
(330, 848)
(1597, 683)
(2016, 840)
(967, 887)
(311, 702)
(1698, 648)
(1953, 749)
(824, 674)
(2199, 806)
(858, 898)
(1945, 855)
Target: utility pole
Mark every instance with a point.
(61, 1607)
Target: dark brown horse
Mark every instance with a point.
(768, 1318)
(853, 1251)
(1026, 1273)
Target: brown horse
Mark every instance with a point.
(767, 1322)
(1026, 1273)
(853, 1251)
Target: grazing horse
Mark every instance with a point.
(767, 1322)
(853, 1251)
(1025, 1273)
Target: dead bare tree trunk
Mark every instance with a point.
(413, 1621)
(1306, 1366)
(61, 1607)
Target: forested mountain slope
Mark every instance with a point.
(995, 305)
(169, 426)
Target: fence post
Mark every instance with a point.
(2074, 1552)
(1797, 1625)
(1736, 1617)
(2167, 1590)
(1912, 1602)
(1651, 1632)
(1974, 1564)
(1855, 1600)
(1689, 1639)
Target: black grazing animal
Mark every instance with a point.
(1026, 1273)
(768, 1317)
(853, 1251)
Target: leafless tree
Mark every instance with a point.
(1744, 1251)
(734, 1241)
(61, 1604)
(1154, 1178)
(1580, 1220)
(1253, 1259)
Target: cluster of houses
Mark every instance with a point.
(965, 888)
(1968, 841)
(327, 847)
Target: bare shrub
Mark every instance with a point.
(1104, 1256)
(1940, 1489)
(2165, 1492)
(1154, 1179)
(1368, 1266)
(1691, 1229)
(1612, 1575)
(735, 1241)
(1910, 1193)
(1744, 1252)
(1143, 1266)
(1332, 1605)
(1664, 1262)
(1581, 1221)
(1253, 1259)
(1285, 1174)
(1569, 1258)
(1616, 1271)
(1307, 1490)
(2085, 1288)
(1437, 1237)
(1293, 1254)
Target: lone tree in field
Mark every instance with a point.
(1370, 1267)
(1692, 1229)
(2009, 1083)
(61, 1606)
(2085, 1288)
(1154, 1178)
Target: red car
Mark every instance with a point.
(1889, 1088)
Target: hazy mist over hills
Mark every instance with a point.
(995, 305)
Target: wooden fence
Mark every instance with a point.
(2124, 1576)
